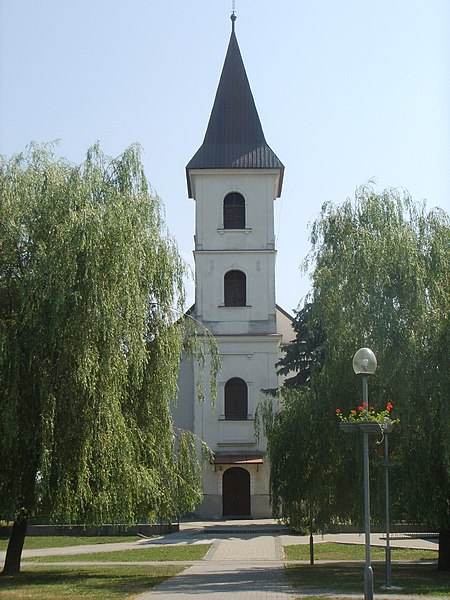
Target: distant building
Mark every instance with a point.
(234, 179)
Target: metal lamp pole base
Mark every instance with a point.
(368, 572)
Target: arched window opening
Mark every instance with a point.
(236, 399)
(235, 283)
(234, 211)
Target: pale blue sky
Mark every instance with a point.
(347, 90)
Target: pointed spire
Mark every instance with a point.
(234, 137)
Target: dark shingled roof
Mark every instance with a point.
(234, 138)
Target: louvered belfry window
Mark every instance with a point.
(234, 211)
(235, 283)
(236, 399)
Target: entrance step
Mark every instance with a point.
(248, 531)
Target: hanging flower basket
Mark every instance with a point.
(349, 427)
(364, 426)
(367, 420)
(370, 427)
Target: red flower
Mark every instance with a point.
(372, 408)
(389, 406)
(338, 411)
(360, 408)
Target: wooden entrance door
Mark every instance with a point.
(236, 493)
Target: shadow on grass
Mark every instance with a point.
(339, 577)
(354, 552)
(65, 541)
(174, 553)
(99, 583)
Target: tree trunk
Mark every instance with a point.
(311, 549)
(15, 545)
(444, 550)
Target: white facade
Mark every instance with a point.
(235, 298)
(249, 337)
(250, 250)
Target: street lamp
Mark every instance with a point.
(365, 364)
(386, 481)
(387, 465)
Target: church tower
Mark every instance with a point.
(234, 179)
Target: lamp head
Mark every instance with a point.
(364, 362)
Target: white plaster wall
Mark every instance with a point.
(257, 186)
(259, 268)
(259, 491)
(253, 360)
(183, 409)
(284, 327)
(251, 251)
(248, 338)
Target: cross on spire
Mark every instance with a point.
(233, 14)
(233, 19)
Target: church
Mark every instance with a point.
(234, 179)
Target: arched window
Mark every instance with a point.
(234, 211)
(234, 284)
(236, 399)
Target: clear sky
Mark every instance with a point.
(346, 90)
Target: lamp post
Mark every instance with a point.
(387, 465)
(365, 364)
(386, 479)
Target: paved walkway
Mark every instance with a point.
(216, 581)
(248, 563)
(245, 563)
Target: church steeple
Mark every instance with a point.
(234, 137)
(234, 179)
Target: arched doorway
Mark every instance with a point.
(236, 493)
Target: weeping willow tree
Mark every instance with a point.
(91, 289)
(380, 279)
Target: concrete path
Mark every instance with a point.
(245, 561)
(242, 566)
(215, 581)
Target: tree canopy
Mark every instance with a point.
(380, 279)
(91, 289)
(305, 354)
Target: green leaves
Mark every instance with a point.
(380, 276)
(91, 291)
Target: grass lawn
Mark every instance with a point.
(333, 551)
(61, 541)
(155, 553)
(88, 583)
(345, 578)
